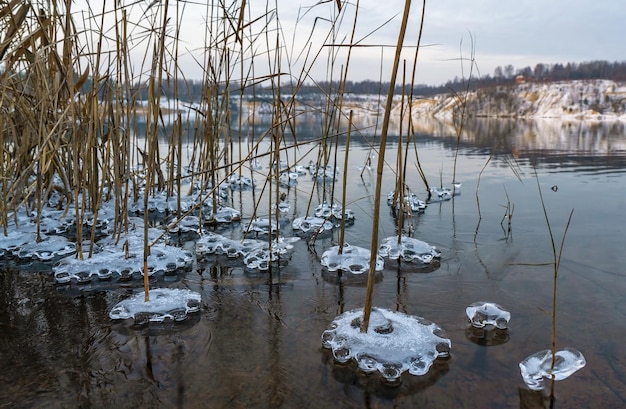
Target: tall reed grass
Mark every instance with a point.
(90, 109)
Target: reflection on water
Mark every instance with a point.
(256, 342)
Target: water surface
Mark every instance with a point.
(256, 342)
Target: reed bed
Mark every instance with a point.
(96, 106)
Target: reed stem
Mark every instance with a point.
(367, 309)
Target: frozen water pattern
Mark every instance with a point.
(21, 245)
(238, 182)
(440, 194)
(325, 211)
(165, 303)
(411, 203)
(260, 225)
(537, 367)
(394, 343)
(484, 313)
(225, 214)
(124, 259)
(408, 249)
(315, 224)
(114, 262)
(353, 259)
(256, 254)
(289, 178)
(321, 173)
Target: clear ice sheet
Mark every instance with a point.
(394, 343)
(484, 313)
(165, 303)
(536, 367)
(409, 249)
(353, 259)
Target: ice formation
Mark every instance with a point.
(537, 366)
(353, 259)
(256, 164)
(260, 257)
(487, 336)
(186, 225)
(116, 262)
(394, 343)
(483, 313)
(316, 224)
(326, 211)
(223, 214)
(289, 178)
(121, 258)
(409, 249)
(410, 203)
(165, 303)
(283, 207)
(439, 194)
(300, 170)
(322, 173)
(260, 225)
(256, 254)
(237, 182)
(23, 247)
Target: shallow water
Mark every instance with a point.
(256, 341)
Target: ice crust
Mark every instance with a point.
(484, 313)
(440, 194)
(163, 204)
(315, 224)
(289, 178)
(260, 225)
(326, 211)
(536, 367)
(115, 262)
(123, 258)
(165, 303)
(322, 173)
(256, 254)
(394, 343)
(353, 259)
(410, 203)
(50, 248)
(409, 249)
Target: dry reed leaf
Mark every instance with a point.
(15, 22)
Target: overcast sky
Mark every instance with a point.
(521, 33)
(500, 32)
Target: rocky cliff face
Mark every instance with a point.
(591, 100)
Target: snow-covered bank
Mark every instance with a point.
(595, 100)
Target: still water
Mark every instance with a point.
(256, 341)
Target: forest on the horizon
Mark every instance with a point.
(192, 90)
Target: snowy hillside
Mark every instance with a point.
(590, 100)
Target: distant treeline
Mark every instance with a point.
(192, 90)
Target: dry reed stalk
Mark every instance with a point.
(411, 127)
(367, 308)
(344, 186)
